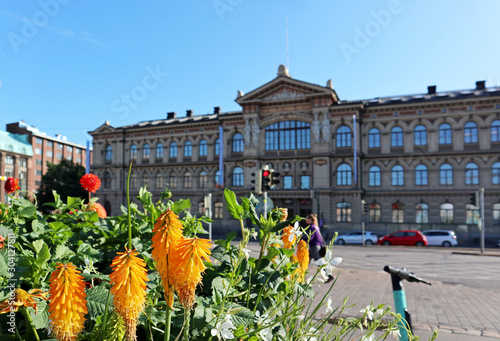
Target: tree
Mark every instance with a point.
(64, 178)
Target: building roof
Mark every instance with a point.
(57, 138)
(15, 143)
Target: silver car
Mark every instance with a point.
(445, 238)
(356, 237)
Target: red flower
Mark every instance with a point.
(2, 239)
(11, 185)
(90, 182)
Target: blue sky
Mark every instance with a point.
(67, 66)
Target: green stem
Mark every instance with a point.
(26, 314)
(242, 229)
(262, 248)
(168, 321)
(105, 317)
(186, 324)
(18, 335)
(128, 209)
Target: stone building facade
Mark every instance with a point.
(414, 159)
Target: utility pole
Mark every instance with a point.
(481, 203)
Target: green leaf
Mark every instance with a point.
(4, 260)
(40, 320)
(44, 254)
(243, 316)
(27, 212)
(37, 245)
(62, 251)
(181, 205)
(280, 226)
(96, 301)
(254, 216)
(232, 205)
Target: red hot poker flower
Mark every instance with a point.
(90, 182)
(11, 185)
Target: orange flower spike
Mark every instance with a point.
(289, 238)
(188, 259)
(129, 288)
(303, 257)
(167, 232)
(67, 306)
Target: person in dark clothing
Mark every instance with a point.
(316, 241)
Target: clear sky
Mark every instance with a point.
(67, 66)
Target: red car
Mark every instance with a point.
(404, 237)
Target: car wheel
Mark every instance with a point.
(368, 242)
(341, 242)
(446, 244)
(419, 244)
(386, 243)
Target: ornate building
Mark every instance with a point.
(418, 157)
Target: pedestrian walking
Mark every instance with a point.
(316, 242)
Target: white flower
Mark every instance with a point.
(329, 263)
(222, 329)
(379, 312)
(260, 319)
(368, 311)
(329, 308)
(246, 252)
(308, 337)
(370, 338)
(395, 333)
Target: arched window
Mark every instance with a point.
(471, 174)
(470, 132)
(203, 179)
(108, 156)
(420, 135)
(344, 175)
(374, 175)
(397, 137)
(145, 152)
(495, 173)
(343, 137)
(422, 213)
(218, 209)
(173, 150)
(288, 135)
(159, 180)
(217, 179)
(203, 148)
(374, 138)
(133, 152)
(172, 181)
(446, 213)
(188, 149)
(237, 143)
(496, 214)
(398, 176)
(159, 151)
(398, 212)
(495, 131)
(237, 177)
(107, 180)
(344, 212)
(446, 174)
(375, 213)
(421, 175)
(217, 147)
(188, 180)
(445, 134)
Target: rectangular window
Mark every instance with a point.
(38, 151)
(305, 182)
(78, 151)
(38, 162)
(9, 160)
(69, 148)
(49, 144)
(38, 172)
(287, 182)
(59, 155)
(9, 172)
(49, 153)
(60, 146)
(39, 140)
(79, 160)
(23, 162)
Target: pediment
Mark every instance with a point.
(284, 88)
(103, 129)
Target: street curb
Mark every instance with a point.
(476, 253)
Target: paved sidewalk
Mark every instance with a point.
(457, 312)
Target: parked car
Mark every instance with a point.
(356, 237)
(404, 237)
(445, 238)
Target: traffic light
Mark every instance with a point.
(266, 180)
(257, 181)
(364, 207)
(275, 179)
(473, 199)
